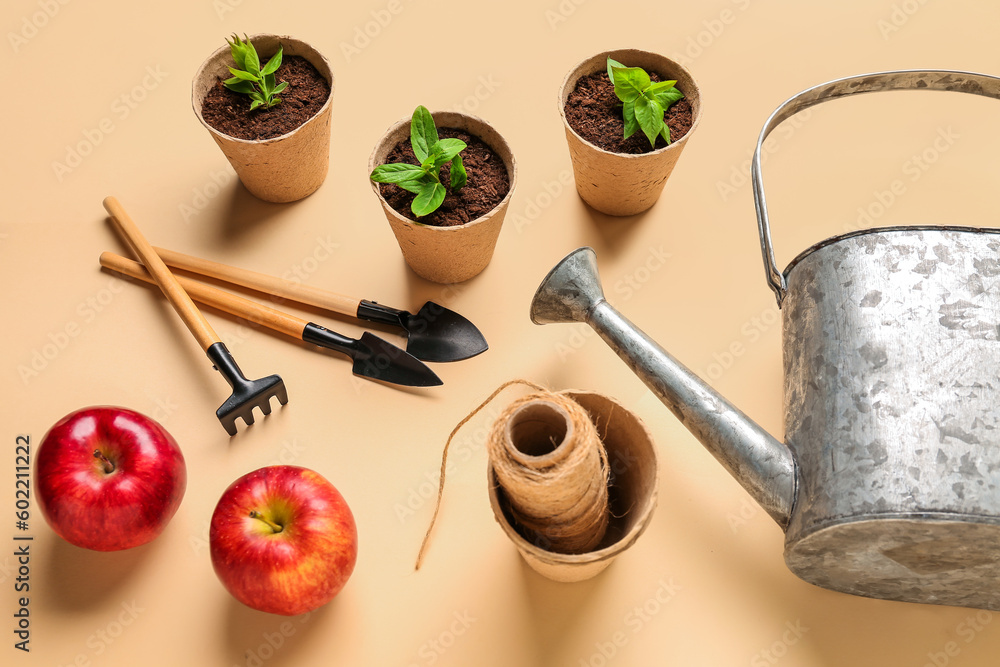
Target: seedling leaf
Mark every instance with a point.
(238, 49)
(252, 60)
(433, 153)
(667, 98)
(240, 74)
(411, 186)
(631, 124)
(458, 175)
(238, 86)
(643, 101)
(396, 173)
(273, 64)
(649, 114)
(660, 86)
(446, 149)
(630, 82)
(428, 199)
(248, 77)
(613, 63)
(423, 133)
(665, 133)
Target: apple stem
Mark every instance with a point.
(109, 467)
(276, 527)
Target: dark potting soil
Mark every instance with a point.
(307, 92)
(595, 112)
(488, 183)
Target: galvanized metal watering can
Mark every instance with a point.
(889, 484)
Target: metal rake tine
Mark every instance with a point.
(247, 394)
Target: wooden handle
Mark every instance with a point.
(178, 298)
(215, 297)
(262, 283)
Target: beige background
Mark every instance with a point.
(380, 445)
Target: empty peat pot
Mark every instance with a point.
(631, 492)
(889, 485)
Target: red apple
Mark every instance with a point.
(283, 540)
(108, 478)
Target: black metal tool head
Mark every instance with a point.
(247, 394)
(373, 357)
(439, 334)
(434, 333)
(380, 360)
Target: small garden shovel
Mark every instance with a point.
(373, 357)
(434, 333)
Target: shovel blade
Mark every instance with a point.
(438, 334)
(379, 360)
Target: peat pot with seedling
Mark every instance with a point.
(266, 101)
(627, 115)
(444, 192)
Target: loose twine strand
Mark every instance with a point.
(560, 499)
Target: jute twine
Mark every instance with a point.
(548, 457)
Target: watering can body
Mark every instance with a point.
(888, 483)
(892, 414)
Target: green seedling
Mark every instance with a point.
(425, 180)
(250, 78)
(643, 102)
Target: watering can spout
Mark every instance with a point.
(764, 466)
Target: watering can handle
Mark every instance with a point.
(949, 80)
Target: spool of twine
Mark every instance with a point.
(547, 456)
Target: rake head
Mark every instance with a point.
(247, 394)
